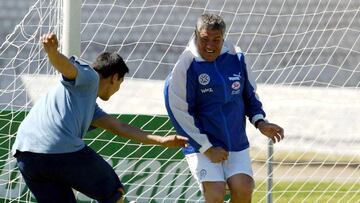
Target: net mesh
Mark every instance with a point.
(304, 55)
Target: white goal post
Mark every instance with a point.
(304, 55)
(71, 27)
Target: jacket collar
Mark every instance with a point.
(227, 47)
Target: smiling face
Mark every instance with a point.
(209, 43)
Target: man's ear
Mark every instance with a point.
(113, 78)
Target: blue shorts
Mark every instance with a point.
(51, 177)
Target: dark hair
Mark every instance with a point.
(107, 64)
(210, 21)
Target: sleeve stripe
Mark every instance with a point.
(179, 108)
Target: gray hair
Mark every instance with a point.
(210, 21)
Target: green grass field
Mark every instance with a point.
(294, 192)
(310, 192)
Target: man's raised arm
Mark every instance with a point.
(57, 59)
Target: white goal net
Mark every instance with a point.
(304, 54)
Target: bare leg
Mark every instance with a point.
(121, 200)
(214, 192)
(241, 188)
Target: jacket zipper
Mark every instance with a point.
(222, 113)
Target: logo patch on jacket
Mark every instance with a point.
(235, 85)
(204, 79)
(235, 77)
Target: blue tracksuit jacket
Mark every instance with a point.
(208, 101)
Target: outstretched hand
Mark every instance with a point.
(50, 42)
(174, 141)
(272, 131)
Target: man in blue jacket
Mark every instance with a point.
(51, 155)
(208, 96)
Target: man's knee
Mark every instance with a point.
(243, 192)
(241, 187)
(214, 192)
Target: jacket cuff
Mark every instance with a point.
(256, 118)
(205, 147)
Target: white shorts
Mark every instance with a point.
(204, 170)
